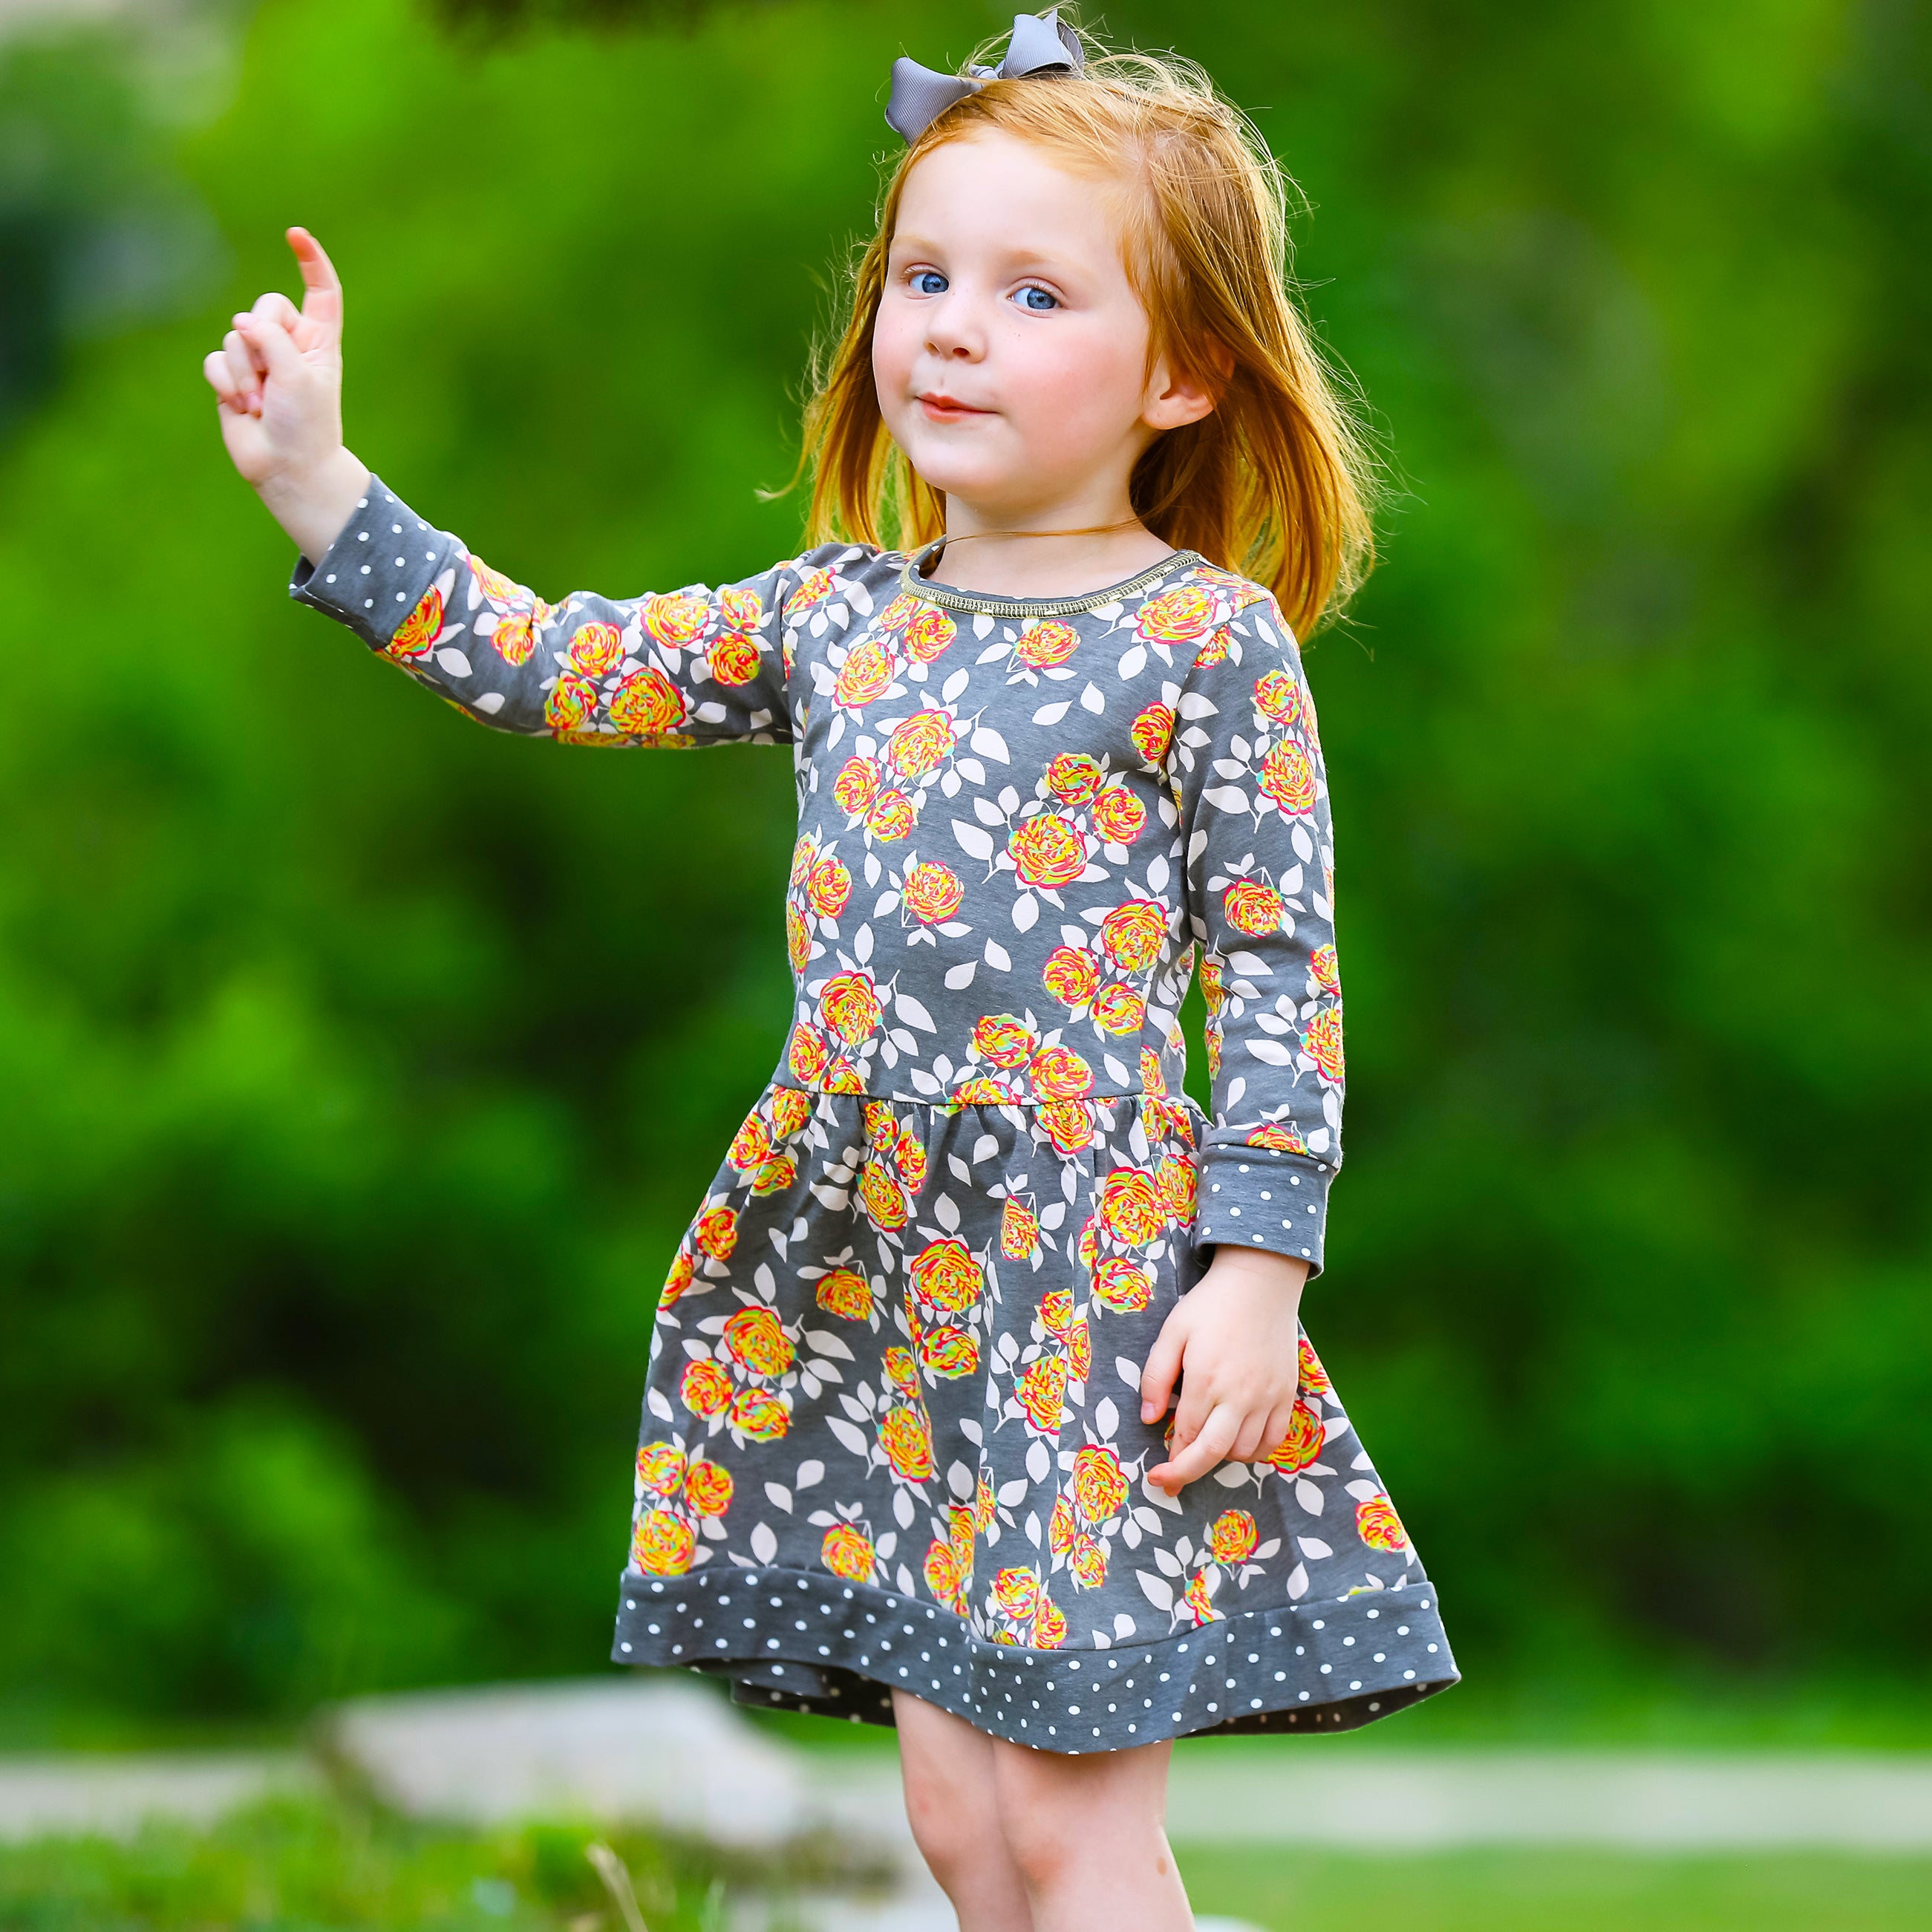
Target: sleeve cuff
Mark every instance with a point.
(376, 571)
(1258, 1197)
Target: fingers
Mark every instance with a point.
(244, 376)
(275, 308)
(214, 367)
(1209, 1447)
(1163, 1366)
(322, 287)
(1264, 1429)
(272, 349)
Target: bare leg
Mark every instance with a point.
(952, 1806)
(1087, 1834)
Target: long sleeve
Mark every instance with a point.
(697, 666)
(1247, 775)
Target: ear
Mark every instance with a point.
(1175, 398)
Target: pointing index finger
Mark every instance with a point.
(322, 287)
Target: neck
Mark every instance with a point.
(1059, 550)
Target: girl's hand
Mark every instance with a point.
(1234, 1340)
(278, 374)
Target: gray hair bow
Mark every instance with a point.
(1039, 44)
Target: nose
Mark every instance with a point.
(953, 330)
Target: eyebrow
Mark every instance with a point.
(1017, 262)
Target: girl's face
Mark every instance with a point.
(1010, 348)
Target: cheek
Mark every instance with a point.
(894, 345)
(1080, 376)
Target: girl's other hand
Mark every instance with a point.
(278, 375)
(1234, 1342)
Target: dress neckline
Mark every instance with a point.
(993, 604)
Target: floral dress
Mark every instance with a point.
(892, 1435)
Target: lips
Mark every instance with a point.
(949, 409)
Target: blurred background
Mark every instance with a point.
(358, 1068)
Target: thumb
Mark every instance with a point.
(1163, 1365)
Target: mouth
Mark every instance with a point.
(940, 408)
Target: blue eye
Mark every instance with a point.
(1038, 300)
(928, 282)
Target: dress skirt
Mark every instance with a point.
(892, 1439)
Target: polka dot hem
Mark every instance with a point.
(812, 1641)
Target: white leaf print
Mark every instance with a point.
(1123, 1625)
(1106, 1416)
(989, 744)
(821, 1519)
(1313, 1545)
(1010, 800)
(1309, 1497)
(809, 1384)
(780, 1495)
(861, 944)
(825, 1343)
(906, 1586)
(1226, 798)
(1148, 1520)
(1231, 1475)
(1133, 662)
(887, 1543)
(982, 624)
(660, 1405)
(1052, 714)
(971, 1431)
(1037, 1460)
(1156, 874)
(973, 841)
(988, 813)
(959, 1481)
(764, 1544)
(961, 1172)
(1270, 1548)
(1130, 1372)
(902, 1506)
(945, 1214)
(955, 685)
(923, 1080)
(1157, 1593)
(1116, 1071)
(1336, 1424)
(848, 1437)
(1250, 963)
(1235, 1091)
(1298, 1581)
(489, 703)
(1167, 1560)
(1273, 1051)
(1013, 1493)
(453, 661)
(970, 769)
(909, 1010)
(904, 1041)
(985, 1147)
(1026, 912)
(1304, 846)
(810, 1475)
(871, 868)
(1130, 1533)
(998, 957)
(1361, 1492)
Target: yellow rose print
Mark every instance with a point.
(1278, 696)
(932, 893)
(1019, 1228)
(1322, 970)
(1099, 1483)
(883, 1199)
(1073, 778)
(647, 703)
(758, 1342)
(1314, 1377)
(898, 614)
(596, 649)
(1233, 1536)
(892, 816)
(775, 1176)
(1176, 1182)
(920, 743)
(734, 660)
(1130, 1207)
(1049, 1622)
(513, 637)
(715, 1232)
(676, 621)
(1059, 1073)
(1079, 1352)
(798, 939)
(865, 674)
(1132, 935)
(983, 1503)
(906, 1437)
(1119, 1010)
(944, 1276)
(1152, 732)
(1197, 1602)
(1288, 777)
(1071, 975)
(1056, 1311)
(1042, 1391)
(790, 1110)
(808, 1054)
(847, 1553)
(1175, 616)
(1047, 644)
(950, 1352)
(844, 1292)
(1003, 1039)
(706, 1388)
(1069, 1125)
(829, 888)
(418, 631)
(1377, 1524)
(661, 1468)
(494, 584)
(1048, 850)
(1061, 1526)
(1321, 1041)
(1283, 1135)
(902, 1371)
(752, 1145)
(761, 1417)
(856, 785)
(708, 1488)
(911, 1159)
(1088, 1563)
(1301, 1444)
(1252, 906)
(1119, 817)
(928, 634)
(1121, 1285)
(663, 1544)
(850, 1004)
(942, 1572)
(683, 1271)
(572, 702)
(813, 587)
(1016, 1591)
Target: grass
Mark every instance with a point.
(332, 1863)
(1560, 1891)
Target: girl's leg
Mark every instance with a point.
(1087, 1834)
(952, 1806)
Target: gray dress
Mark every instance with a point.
(892, 1435)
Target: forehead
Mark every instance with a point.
(992, 189)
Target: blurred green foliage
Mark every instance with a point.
(358, 1069)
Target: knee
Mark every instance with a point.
(1040, 1827)
(948, 1812)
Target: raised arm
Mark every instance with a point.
(695, 666)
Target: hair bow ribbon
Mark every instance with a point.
(1039, 44)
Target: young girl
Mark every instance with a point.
(978, 1401)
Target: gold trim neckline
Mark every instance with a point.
(993, 605)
